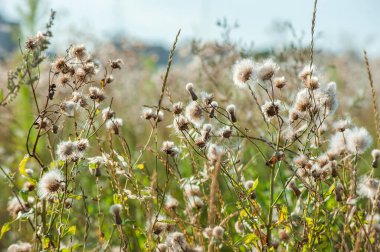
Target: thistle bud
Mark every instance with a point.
(115, 211)
(338, 192)
(294, 188)
(231, 112)
(190, 89)
(375, 157)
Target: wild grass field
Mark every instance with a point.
(225, 148)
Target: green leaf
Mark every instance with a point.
(5, 228)
(21, 166)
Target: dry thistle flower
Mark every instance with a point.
(338, 142)
(177, 108)
(28, 186)
(114, 125)
(180, 123)
(279, 82)
(243, 72)
(107, 113)
(207, 98)
(63, 80)
(96, 94)
(171, 203)
(90, 68)
(115, 210)
(169, 148)
(266, 70)
(207, 232)
(161, 247)
(215, 153)
(341, 125)
(80, 75)
(358, 140)
(79, 98)
(375, 157)
(66, 150)
(192, 190)
(217, 232)
(190, 89)
(68, 108)
(148, 113)
(368, 187)
(159, 116)
(302, 161)
(225, 132)
(231, 110)
(116, 64)
(302, 102)
(305, 74)
(79, 52)
(271, 109)
(326, 99)
(50, 183)
(194, 113)
(44, 123)
(213, 106)
(294, 188)
(17, 205)
(205, 131)
(20, 247)
(312, 83)
(294, 115)
(195, 202)
(82, 144)
(177, 242)
(59, 65)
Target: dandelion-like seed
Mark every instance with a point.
(213, 106)
(50, 183)
(148, 113)
(190, 89)
(231, 110)
(341, 125)
(80, 75)
(375, 157)
(114, 125)
(217, 232)
(338, 142)
(358, 140)
(82, 144)
(181, 123)
(107, 113)
(17, 205)
(66, 150)
(79, 52)
(116, 64)
(205, 131)
(302, 102)
(20, 247)
(326, 99)
(115, 210)
(225, 132)
(59, 65)
(271, 109)
(177, 108)
(194, 113)
(207, 98)
(215, 153)
(243, 72)
(96, 94)
(279, 82)
(169, 148)
(368, 187)
(68, 108)
(266, 70)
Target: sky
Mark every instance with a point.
(342, 24)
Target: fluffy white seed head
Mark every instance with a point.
(169, 148)
(271, 109)
(114, 125)
(194, 113)
(50, 183)
(358, 140)
(266, 70)
(218, 232)
(243, 72)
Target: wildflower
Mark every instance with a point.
(17, 205)
(116, 64)
(266, 70)
(190, 89)
(358, 140)
(68, 108)
(270, 109)
(80, 75)
(161, 247)
(79, 52)
(59, 65)
(107, 113)
(50, 183)
(194, 113)
(82, 144)
(231, 110)
(217, 232)
(205, 131)
(243, 72)
(177, 242)
(169, 148)
(368, 187)
(177, 108)
(225, 132)
(375, 157)
(171, 203)
(20, 247)
(96, 94)
(302, 102)
(215, 153)
(293, 186)
(279, 82)
(342, 125)
(115, 210)
(114, 125)
(181, 123)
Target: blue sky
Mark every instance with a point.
(343, 23)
